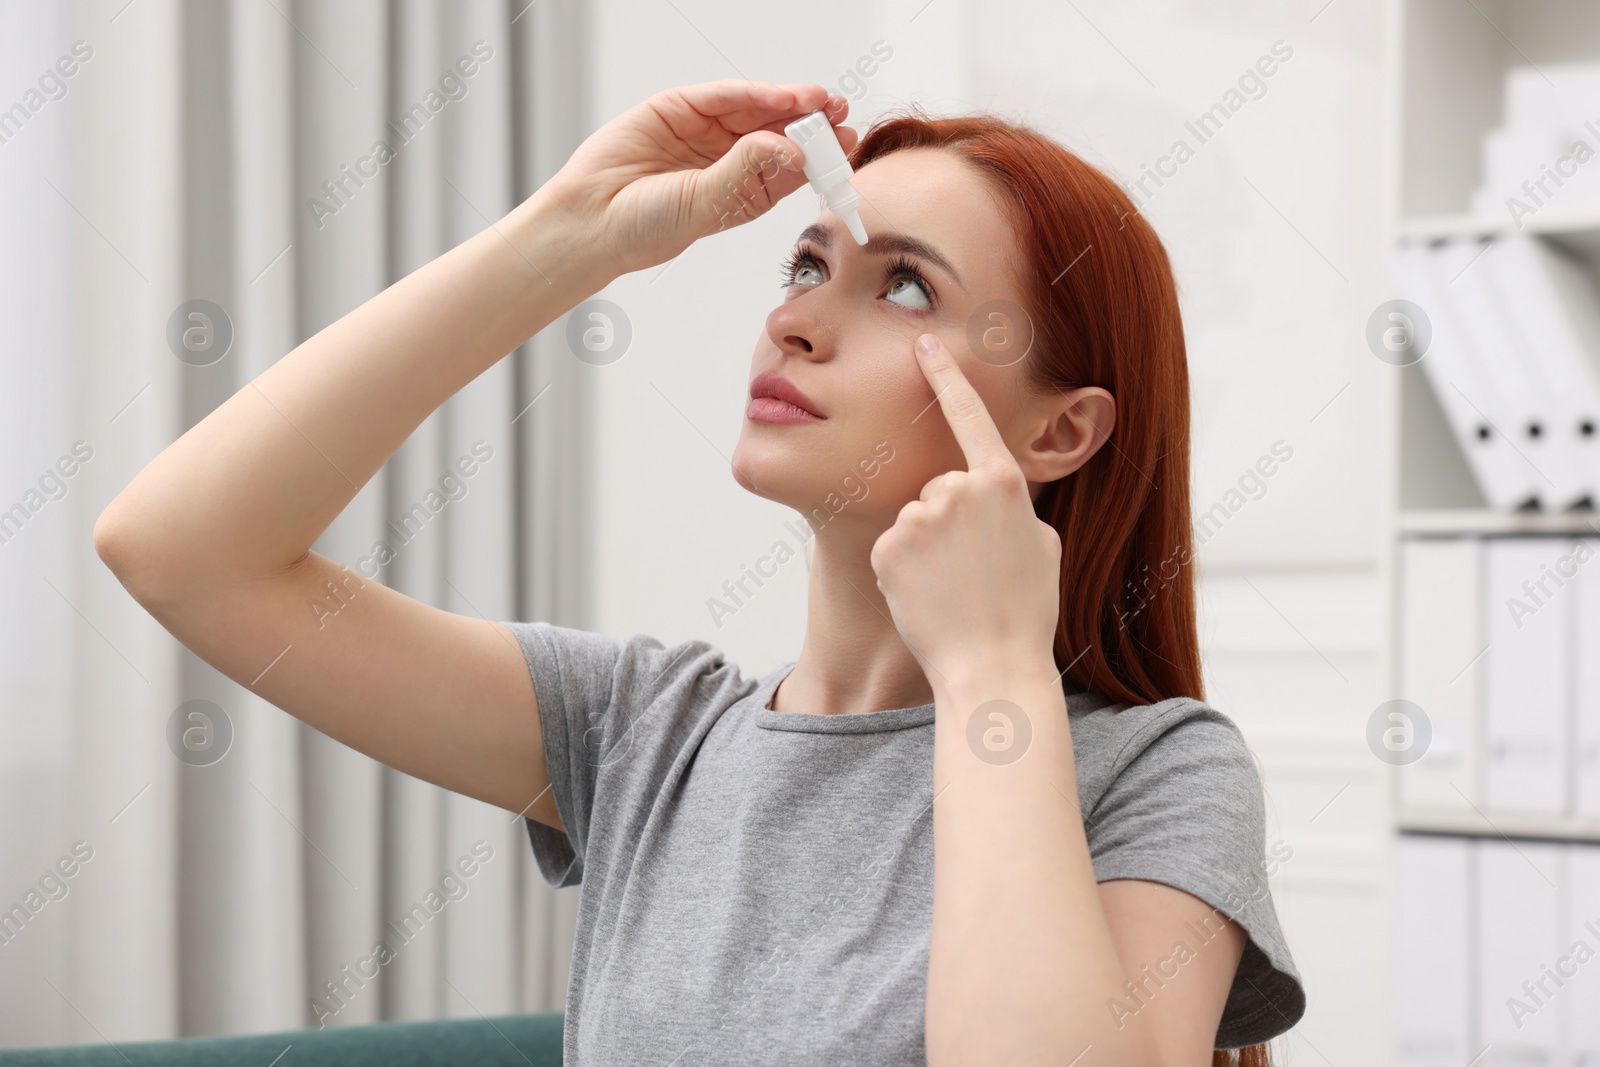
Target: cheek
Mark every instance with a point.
(877, 443)
(896, 406)
(900, 481)
(924, 444)
(922, 450)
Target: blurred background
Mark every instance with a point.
(188, 190)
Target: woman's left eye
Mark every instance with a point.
(915, 285)
(900, 270)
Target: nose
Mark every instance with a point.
(797, 327)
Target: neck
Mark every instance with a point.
(852, 659)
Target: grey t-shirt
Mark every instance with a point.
(758, 885)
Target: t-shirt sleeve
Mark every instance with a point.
(591, 688)
(1185, 807)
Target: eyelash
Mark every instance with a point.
(895, 269)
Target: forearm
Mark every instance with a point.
(1021, 960)
(250, 488)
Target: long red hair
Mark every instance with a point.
(1104, 308)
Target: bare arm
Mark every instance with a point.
(214, 536)
(1030, 959)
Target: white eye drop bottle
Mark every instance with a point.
(827, 169)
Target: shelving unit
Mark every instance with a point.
(1512, 825)
(1468, 928)
(1575, 229)
(1451, 61)
(1450, 522)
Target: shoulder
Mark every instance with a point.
(608, 687)
(632, 664)
(1171, 786)
(1182, 743)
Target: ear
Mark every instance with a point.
(1069, 426)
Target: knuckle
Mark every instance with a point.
(1006, 479)
(996, 479)
(965, 405)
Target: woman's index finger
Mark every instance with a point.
(742, 106)
(963, 408)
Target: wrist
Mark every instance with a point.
(562, 244)
(1009, 675)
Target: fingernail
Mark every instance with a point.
(927, 344)
(782, 156)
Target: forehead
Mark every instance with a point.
(935, 196)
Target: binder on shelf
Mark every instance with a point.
(1433, 987)
(1555, 97)
(1467, 399)
(1525, 679)
(1508, 154)
(1518, 926)
(1555, 313)
(1546, 111)
(1582, 923)
(1441, 662)
(1513, 374)
(1584, 651)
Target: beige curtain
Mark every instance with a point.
(230, 153)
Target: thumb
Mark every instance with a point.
(760, 169)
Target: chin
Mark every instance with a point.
(774, 470)
(811, 477)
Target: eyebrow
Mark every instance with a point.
(886, 244)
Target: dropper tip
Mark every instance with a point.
(852, 219)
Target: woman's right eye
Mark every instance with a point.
(796, 264)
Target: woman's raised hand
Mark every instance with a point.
(688, 162)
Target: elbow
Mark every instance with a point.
(162, 563)
(128, 553)
(111, 540)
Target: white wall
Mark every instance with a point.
(1274, 230)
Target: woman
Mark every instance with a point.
(984, 817)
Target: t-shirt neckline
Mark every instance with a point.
(866, 722)
(810, 722)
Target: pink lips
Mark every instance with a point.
(777, 400)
